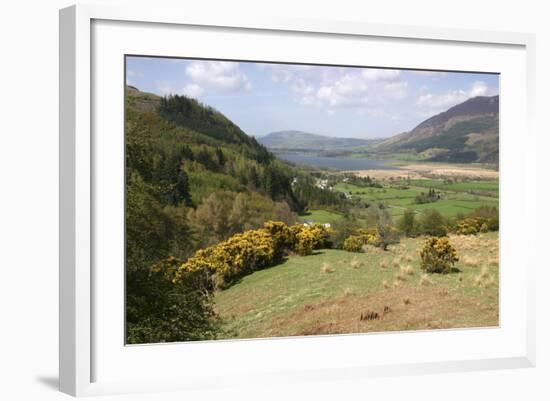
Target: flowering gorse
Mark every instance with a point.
(438, 255)
(246, 252)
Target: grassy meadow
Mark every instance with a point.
(456, 197)
(320, 216)
(326, 293)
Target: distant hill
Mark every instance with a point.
(304, 141)
(467, 132)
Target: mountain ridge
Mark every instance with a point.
(466, 132)
(299, 140)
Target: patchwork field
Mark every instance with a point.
(456, 197)
(329, 292)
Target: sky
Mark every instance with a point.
(354, 102)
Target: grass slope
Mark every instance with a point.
(320, 216)
(325, 293)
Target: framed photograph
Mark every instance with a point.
(279, 200)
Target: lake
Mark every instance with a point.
(337, 163)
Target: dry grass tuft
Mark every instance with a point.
(355, 263)
(409, 258)
(470, 261)
(400, 276)
(426, 280)
(396, 284)
(489, 282)
(385, 284)
(407, 301)
(369, 315)
(493, 262)
(383, 264)
(396, 263)
(485, 279)
(407, 270)
(326, 268)
(348, 291)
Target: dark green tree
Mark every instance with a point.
(408, 224)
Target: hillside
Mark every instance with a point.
(325, 293)
(467, 132)
(304, 141)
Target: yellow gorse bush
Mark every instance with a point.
(308, 237)
(438, 255)
(353, 243)
(474, 225)
(248, 251)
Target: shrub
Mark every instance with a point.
(248, 251)
(467, 227)
(306, 238)
(369, 236)
(353, 243)
(438, 255)
(431, 196)
(433, 223)
(408, 224)
(489, 215)
(474, 225)
(160, 311)
(386, 235)
(342, 229)
(282, 237)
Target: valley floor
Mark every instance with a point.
(326, 293)
(423, 170)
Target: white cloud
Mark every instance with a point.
(216, 76)
(337, 87)
(164, 87)
(349, 91)
(375, 74)
(130, 74)
(397, 89)
(192, 90)
(478, 88)
(304, 90)
(439, 102)
(281, 75)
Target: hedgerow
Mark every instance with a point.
(246, 252)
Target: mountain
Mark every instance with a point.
(304, 141)
(183, 151)
(467, 132)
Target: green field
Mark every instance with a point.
(325, 293)
(460, 197)
(489, 188)
(320, 216)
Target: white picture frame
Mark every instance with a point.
(88, 366)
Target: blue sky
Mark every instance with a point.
(336, 101)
